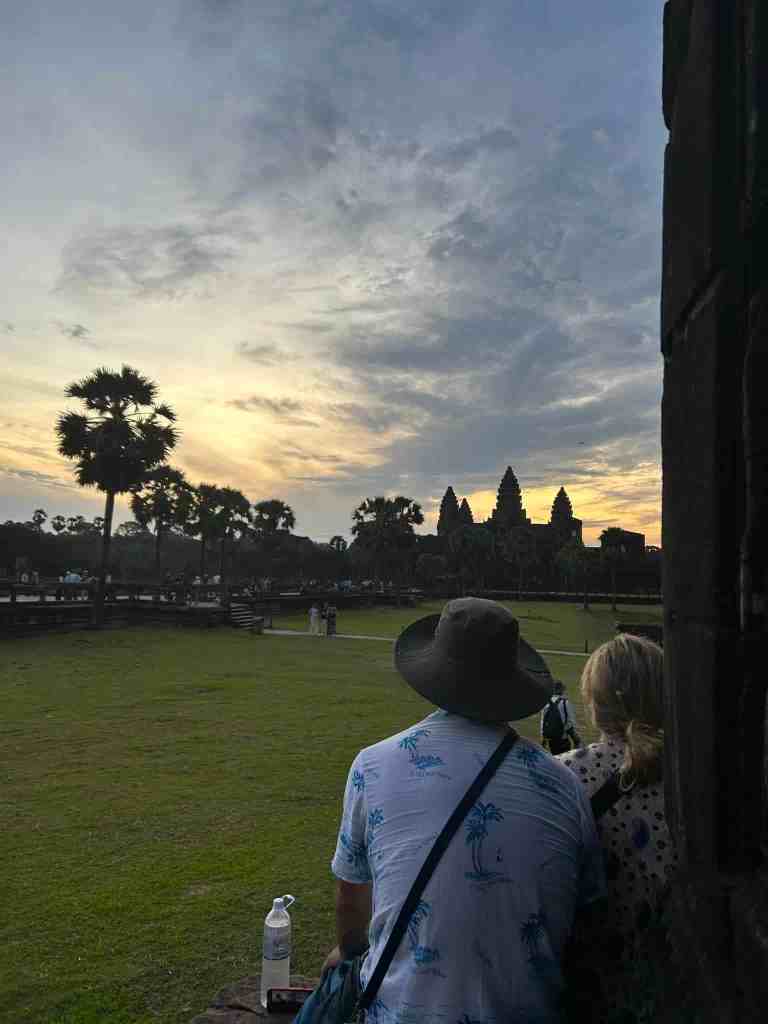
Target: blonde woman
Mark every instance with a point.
(622, 689)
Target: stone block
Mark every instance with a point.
(703, 163)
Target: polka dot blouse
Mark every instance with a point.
(639, 852)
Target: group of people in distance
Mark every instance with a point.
(322, 621)
(547, 906)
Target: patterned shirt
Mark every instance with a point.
(485, 942)
(630, 930)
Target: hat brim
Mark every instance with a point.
(456, 686)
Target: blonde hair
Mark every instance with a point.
(622, 685)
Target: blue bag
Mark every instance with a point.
(335, 998)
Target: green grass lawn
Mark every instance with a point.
(160, 787)
(561, 627)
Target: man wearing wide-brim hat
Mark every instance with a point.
(485, 941)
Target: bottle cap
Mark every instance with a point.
(283, 902)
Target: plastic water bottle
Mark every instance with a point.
(276, 950)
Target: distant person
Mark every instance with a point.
(314, 619)
(622, 688)
(558, 724)
(330, 620)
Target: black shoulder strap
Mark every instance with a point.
(429, 865)
(604, 798)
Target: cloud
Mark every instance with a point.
(77, 332)
(262, 355)
(283, 409)
(164, 262)
(14, 472)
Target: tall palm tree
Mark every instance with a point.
(384, 528)
(163, 498)
(273, 515)
(203, 512)
(235, 522)
(122, 435)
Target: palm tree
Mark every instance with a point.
(384, 529)
(163, 497)
(273, 515)
(203, 510)
(123, 435)
(477, 829)
(612, 552)
(572, 560)
(39, 516)
(338, 544)
(235, 522)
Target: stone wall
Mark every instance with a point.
(715, 493)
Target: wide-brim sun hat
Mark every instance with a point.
(472, 661)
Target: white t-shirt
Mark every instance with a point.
(485, 942)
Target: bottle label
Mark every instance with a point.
(277, 946)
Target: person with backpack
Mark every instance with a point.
(558, 724)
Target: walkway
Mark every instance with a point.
(390, 640)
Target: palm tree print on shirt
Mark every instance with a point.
(422, 955)
(355, 855)
(532, 931)
(420, 761)
(533, 760)
(476, 825)
(358, 780)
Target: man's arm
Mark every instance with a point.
(353, 915)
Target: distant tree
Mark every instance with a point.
(338, 544)
(235, 523)
(273, 515)
(519, 548)
(384, 527)
(163, 499)
(98, 524)
(448, 518)
(203, 519)
(473, 549)
(58, 524)
(131, 528)
(78, 525)
(39, 517)
(465, 513)
(123, 434)
(612, 553)
(429, 568)
(573, 561)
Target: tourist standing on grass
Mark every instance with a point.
(626, 946)
(330, 620)
(486, 937)
(558, 723)
(314, 619)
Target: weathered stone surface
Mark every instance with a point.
(240, 1003)
(749, 913)
(703, 167)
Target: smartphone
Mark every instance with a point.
(287, 1000)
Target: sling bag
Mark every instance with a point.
(440, 846)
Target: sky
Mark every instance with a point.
(362, 246)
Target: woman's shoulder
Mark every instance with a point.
(594, 763)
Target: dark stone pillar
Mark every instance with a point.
(715, 498)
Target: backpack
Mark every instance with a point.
(553, 726)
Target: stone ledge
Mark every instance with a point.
(240, 1003)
